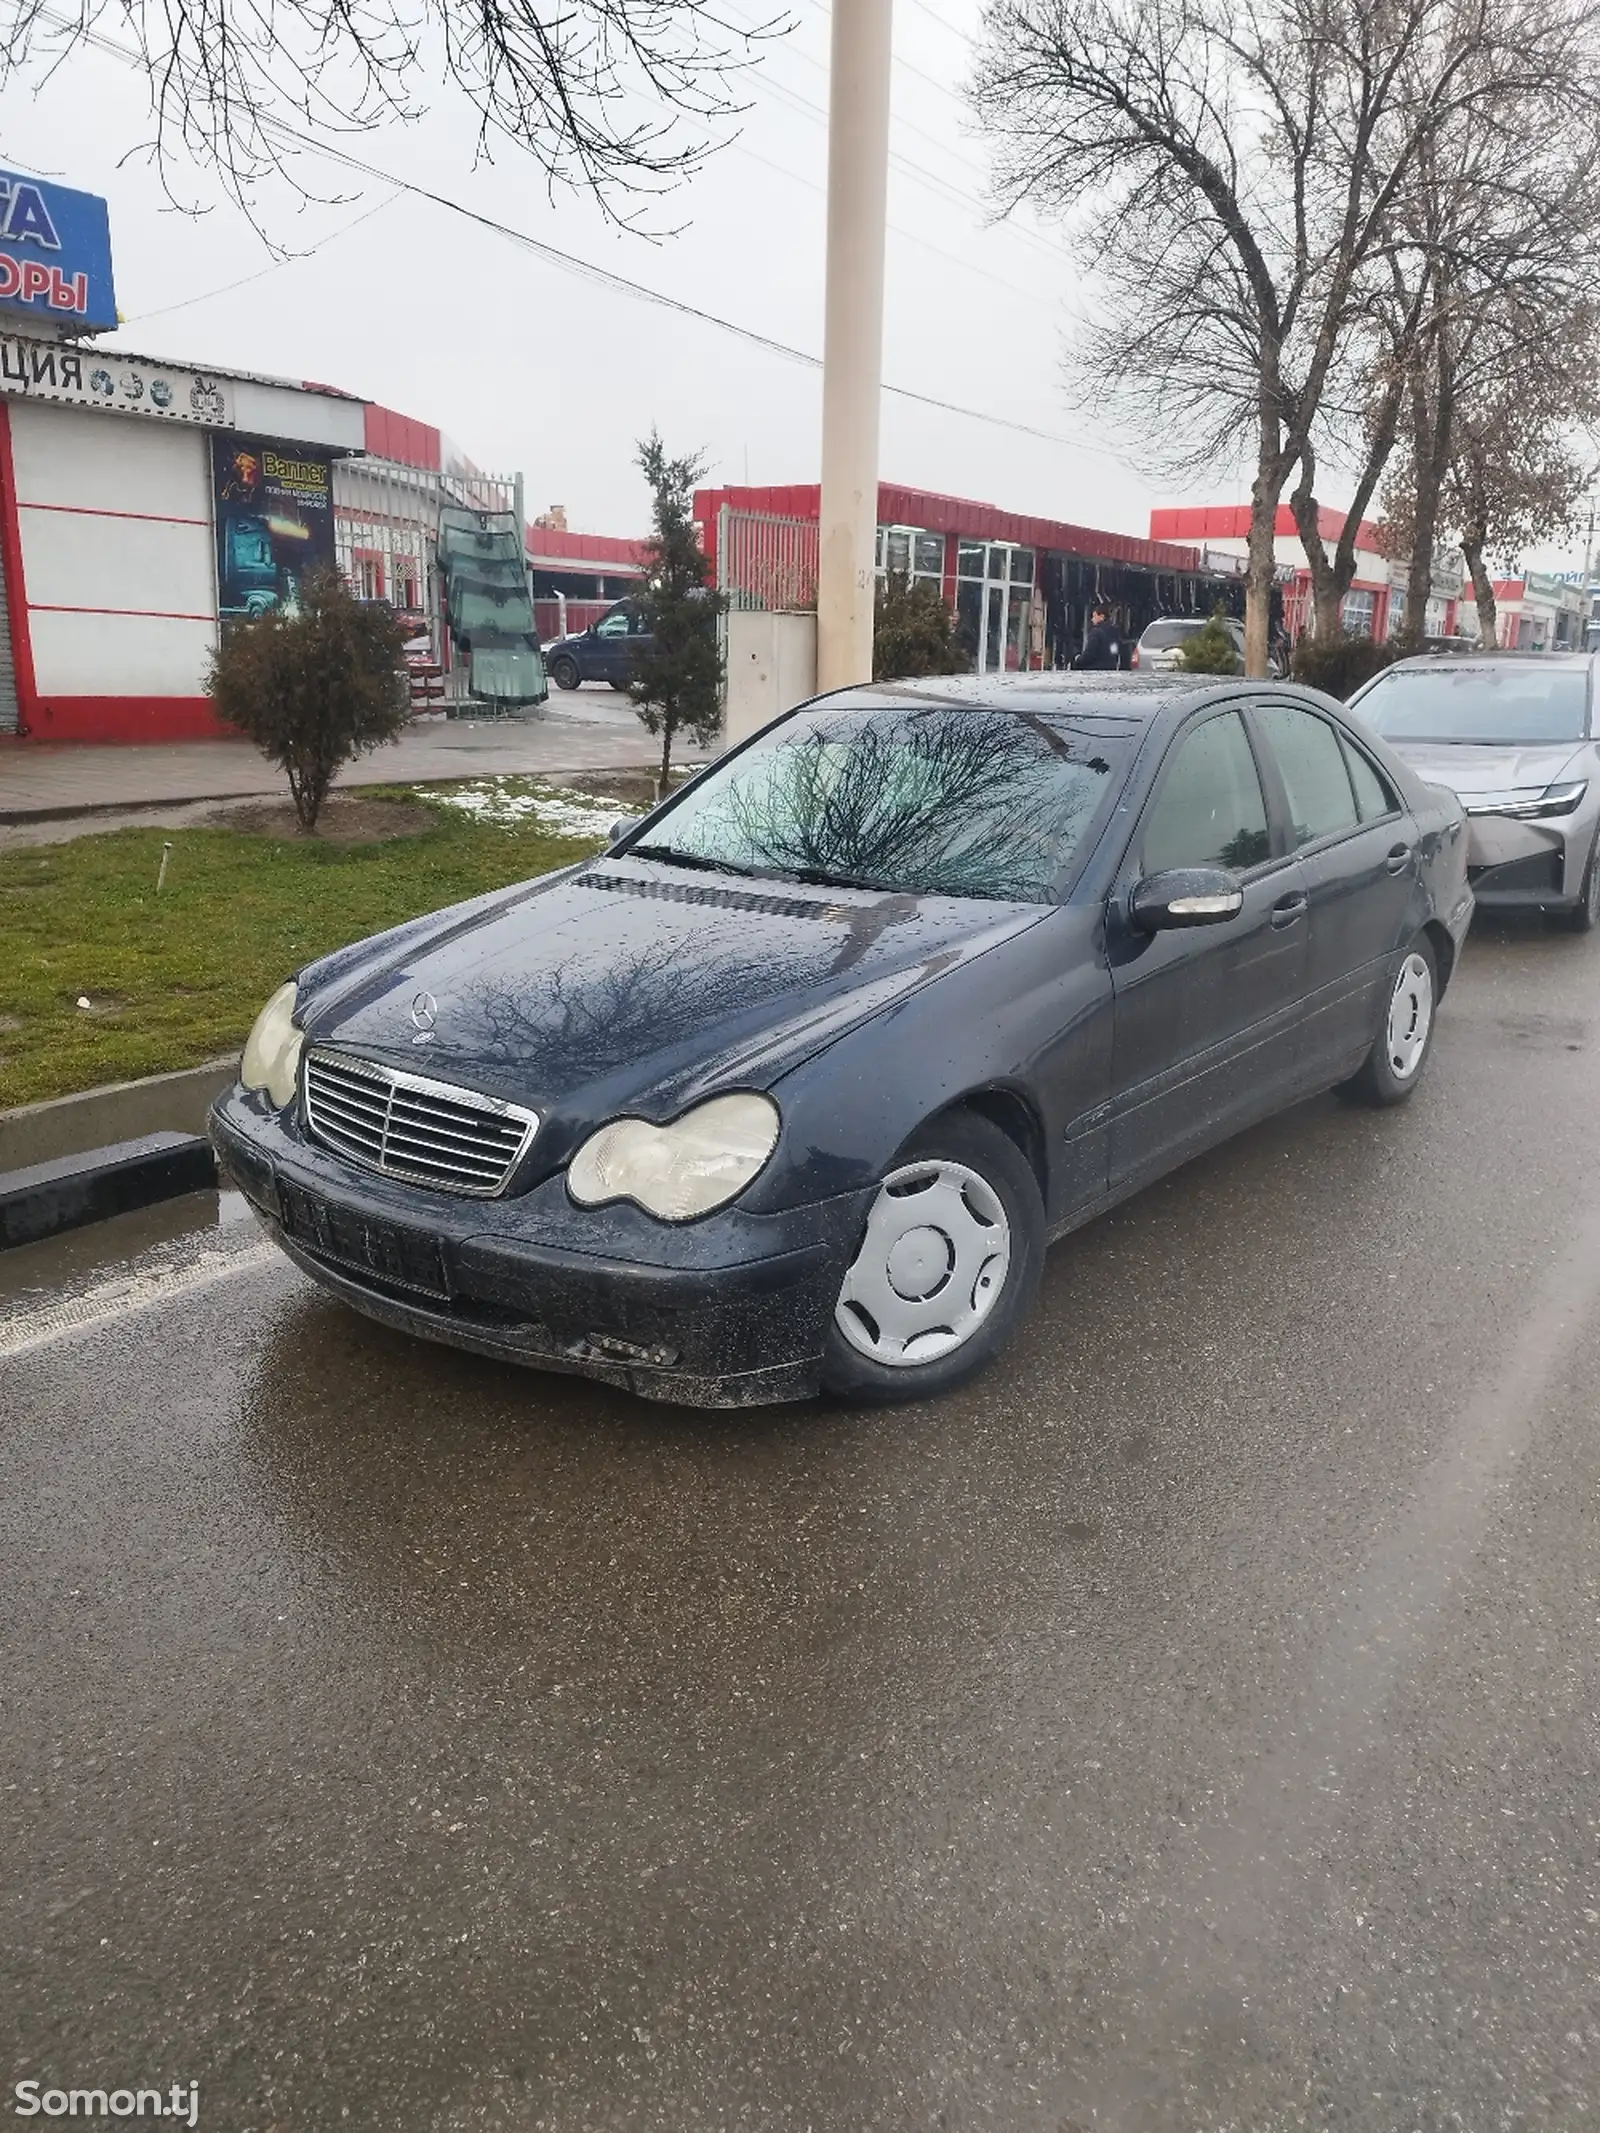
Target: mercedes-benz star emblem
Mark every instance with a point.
(424, 1014)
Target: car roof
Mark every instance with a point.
(1442, 662)
(1092, 695)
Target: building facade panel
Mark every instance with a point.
(86, 663)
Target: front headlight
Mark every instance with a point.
(272, 1052)
(1530, 807)
(675, 1172)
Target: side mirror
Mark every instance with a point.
(621, 827)
(1185, 896)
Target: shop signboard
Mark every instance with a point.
(1449, 574)
(273, 505)
(117, 384)
(55, 255)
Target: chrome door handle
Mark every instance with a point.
(1399, 859)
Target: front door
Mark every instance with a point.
(1358, 849)
(610, 659)
(1206, 1018)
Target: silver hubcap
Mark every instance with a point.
(931, 1266)
(1410, 1017)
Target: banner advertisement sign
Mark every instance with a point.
(273, 504)
(55, 255)
(118, 384)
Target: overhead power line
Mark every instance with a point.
(605, 277)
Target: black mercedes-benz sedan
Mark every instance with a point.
(790, 1089)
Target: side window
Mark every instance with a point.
(1209, 811)
(637, 625)
(614, 624)
(1374, 795)
(1311, 761)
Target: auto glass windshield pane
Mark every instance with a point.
(1161, 636)
(934, 799)
(1510, 703)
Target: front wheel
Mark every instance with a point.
(947, 1266)
(1392, 1069)
(564, 673)
(1585, 915)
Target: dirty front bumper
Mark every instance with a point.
(729, 1311)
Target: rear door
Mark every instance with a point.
(1358, 849)
(1206, 1018)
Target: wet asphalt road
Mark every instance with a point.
(1190, 1726)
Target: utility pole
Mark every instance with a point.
(852, 346)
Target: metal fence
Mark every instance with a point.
(766, 562)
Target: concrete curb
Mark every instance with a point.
(98, 1119)
(20, 817)
(44, 1199)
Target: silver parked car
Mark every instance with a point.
(1514, 737)
(1159, 648)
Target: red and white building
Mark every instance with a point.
(1375, 603)
(1019, 586)
(116, 567)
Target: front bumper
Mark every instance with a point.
(729, 1311)
(1516, 865)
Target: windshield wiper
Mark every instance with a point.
(672, 857)
(823, 878)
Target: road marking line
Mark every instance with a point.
(119, 1298)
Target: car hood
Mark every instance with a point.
(1471, 770)
(632, 985)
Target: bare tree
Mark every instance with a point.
(1521, 453)
(1239, 177)
(618, 96)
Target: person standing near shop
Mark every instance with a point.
(1102, 648)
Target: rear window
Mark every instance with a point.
(1161, 636)
(1512, 702)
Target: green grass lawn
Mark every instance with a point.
(176, 978)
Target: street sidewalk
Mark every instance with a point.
(588, 729)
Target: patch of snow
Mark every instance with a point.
(510, 802)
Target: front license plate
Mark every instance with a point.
(407, 1258)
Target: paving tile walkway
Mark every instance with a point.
(590, 729)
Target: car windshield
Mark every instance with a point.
(1516, 704)
(936, 799)
(1161, 636)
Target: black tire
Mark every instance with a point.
(1585, 915)
(963, 1138)
(1380, 1079)
(622, 685)
(564, 672)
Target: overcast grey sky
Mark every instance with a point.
(528, 367)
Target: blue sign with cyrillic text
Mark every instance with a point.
(55, 255)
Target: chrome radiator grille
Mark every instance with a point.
(427, 1132)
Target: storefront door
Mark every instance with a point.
(993, 596)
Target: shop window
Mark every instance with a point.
(971, 558)
(1021, 566)
(911, 554)
(1356, 611)
(368, 575)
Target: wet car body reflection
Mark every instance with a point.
(794, 1084)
